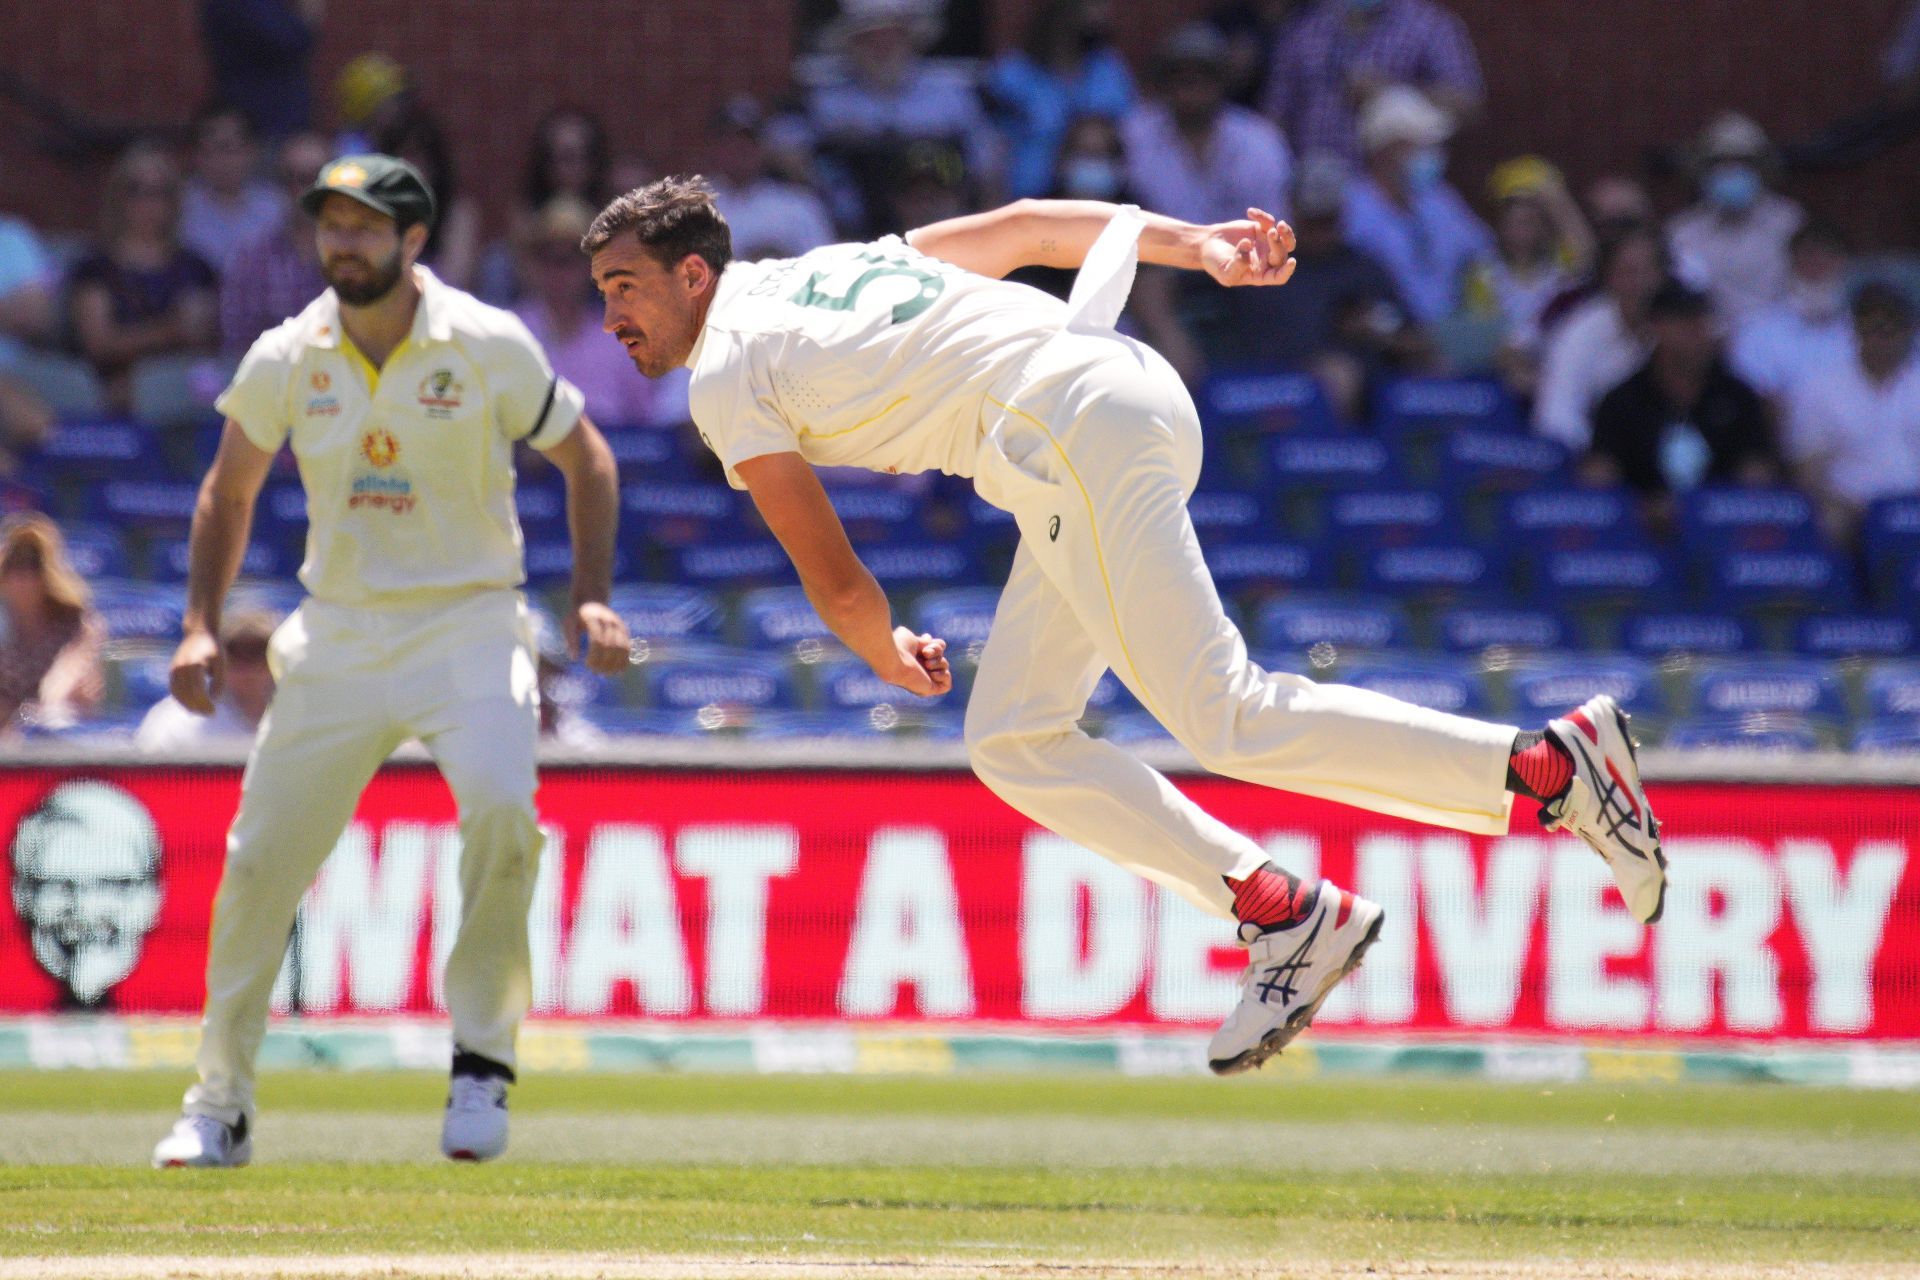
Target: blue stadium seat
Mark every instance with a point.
(1294, 624)
(652, 451)
(1539, 520)
(1138, 726)
(577, 688)
(549, 560)
(866, 724)
(646, 722)
(918, 566)
(1770, 686)
(1747, 519)
(282, 505)
(143, 678)
(1742, 733)
(693, 677)
(1856, 635)
(1480, 458)
(1260, 566)
(668, 612)
(962, 616)
(138, 610)
(1389, 516)
(1220, 517)
(850, 684)
(1904, 595)
(1890, 539)
(1472, 628)
(781, 617)
(875, 513)
(1626, 574)
(1658, 634)
(168, 561)
(1438, 571)
(97, 450)
(1890, 735)
(106, 724)
(757, 562)
(1331, 462)
(1446, 404)
(96, 550)
(1552, 687)
(1783, 579)
(1893, 689)
(541, 507)
(1112, 698)
(1265, 402)
(677, 513)
(160, 503)
(1440, 684)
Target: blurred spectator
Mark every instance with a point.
(50, 637)
(223, 203)
(1093, 166)
(770, 217)
(140, 292)
(1683, 418)
(881, 93)
(1807, 331)
(1404, 213)
(1343, 52)
(245, 690)
(1066, 68)
(1853, 430)
(1542, 248)
(567, 156)
(258, 52)
(628, 170)
(929, 185)
(1737, 233)
(561, 313)
(1190, 153)
(1601, 341)
(1255, 31)
(276, 275)
(416, 136)
(1340, 317)
(368, 95)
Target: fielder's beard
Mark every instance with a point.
(367, 289)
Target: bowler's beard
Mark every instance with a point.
(374, 282)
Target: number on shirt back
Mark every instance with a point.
(840, 288)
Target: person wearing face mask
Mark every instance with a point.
(1808, 330)
(1738, 231)
(1066, 68)
(1401, 209)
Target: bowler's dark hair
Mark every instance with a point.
(673, 217)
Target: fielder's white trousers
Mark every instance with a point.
(1094, 448)
(353, 684)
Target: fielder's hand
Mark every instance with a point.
(199, 672)
(921, 664)
(1257, 251)
(608, 645)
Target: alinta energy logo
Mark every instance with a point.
(86, 883)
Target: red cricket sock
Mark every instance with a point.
(1541, 769)
(1270, 898)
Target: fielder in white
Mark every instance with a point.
(403, 399)
(912, 354)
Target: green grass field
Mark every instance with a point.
(668, 1176)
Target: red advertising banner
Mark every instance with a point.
(709, 895)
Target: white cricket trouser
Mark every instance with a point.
(353, 684)
(1094, 448)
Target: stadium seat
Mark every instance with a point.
(1266, 566)
(875, 513)
(1446, 404)
(693, 677)
(1232, 402)
(674, 513)
(1622, 574)
(1224, 516)
(1112, 698)
(1889, 735)
(1483, 459)
(1536, 521)
(1856, 635)
(139, 678)
(757, 562)
(541, 506)
(166, 504)
(918, 566)
(1893, 689)
(1769, 686)
(644, 722)
(667, 612)
(1439, 571)
(549, 560)
(1786, 579)
(653, 452)
(866, 724)
(96, 550)
(1472, 628)
(1138, 726)
(849, 684)
(1658, 634)
(1890, 541)
(138, 610)
(577, 687)
(168, 561)
(67, 383)
(1388, 517)
(1747, 520)
(1331, 462)
(962, 616)
(1552, 686)
(1437, 683)
(781, 617)
(1296, 624)
(1743, 733)
(97, 450)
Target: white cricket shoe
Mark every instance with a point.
(1289, 972)
(1605, 805)
(204, 1142)
(476, 1124)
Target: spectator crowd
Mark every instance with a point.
(1736, 341)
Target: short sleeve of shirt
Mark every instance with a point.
(733, 405)
(530, 401)
(257, 396)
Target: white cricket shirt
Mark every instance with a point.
(408, 469)
(860, 355)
